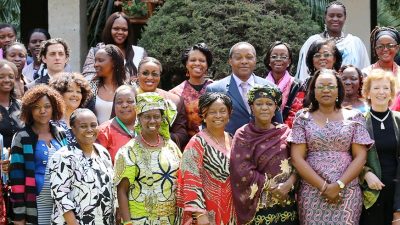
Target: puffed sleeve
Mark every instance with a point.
(298, 134)
(61, 169)
(125, 163)
(360, 132)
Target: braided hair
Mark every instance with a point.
(335, 3)
(119, 75)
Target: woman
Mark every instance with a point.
(260, 170)
(82, 177)
(323, 54)
(35, 39)
(149, 76)
(109, 64)
(10, 107)
(117, 32)
(385, 41)
(146, 167)
(380, 177)
(16, 53)
(352, 49)
(329, 148)
(197, 59)
(31, 149)
(352, 79)
(204, 189)
(8, 35)
(278, 61)
(75, 91)
(115, 133)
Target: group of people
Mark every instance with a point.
(108, 146)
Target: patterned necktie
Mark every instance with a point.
(244, 86)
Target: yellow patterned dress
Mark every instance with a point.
(152, 176)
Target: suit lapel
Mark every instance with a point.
(233, 91)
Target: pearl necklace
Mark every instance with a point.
(381, 120)
(147, 143)
(336, 39)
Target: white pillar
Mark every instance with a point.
(67, 20)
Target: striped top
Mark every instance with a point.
(22, 172)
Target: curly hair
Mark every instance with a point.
(314, 106)
(119, 75)
(108, 39)
(206, 100)
(359, 74)
(36, 93)
(267, 58)
(203, 48)
(379, 74)
(45, 45)
(64, 79)
(315, 47)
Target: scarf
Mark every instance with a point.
(284, 85)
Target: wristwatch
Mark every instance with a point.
(341, 184)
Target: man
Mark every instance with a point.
(242, 58)
(54, 55)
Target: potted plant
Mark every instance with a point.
(135, 8)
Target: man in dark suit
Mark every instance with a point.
(242, 58)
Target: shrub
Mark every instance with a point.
(221, 23)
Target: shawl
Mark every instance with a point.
(259, 160)
(284, 84)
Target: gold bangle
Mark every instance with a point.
(323, 188)
(199, 215)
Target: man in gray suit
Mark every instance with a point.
(242, 58)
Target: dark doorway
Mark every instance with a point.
(34, 14)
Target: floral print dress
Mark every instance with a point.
(83, 185)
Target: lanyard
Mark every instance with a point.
(122, 125)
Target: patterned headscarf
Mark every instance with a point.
(150, 100)
(267, 91)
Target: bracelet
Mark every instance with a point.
(127, 223)
(323, 189)
(396, 220)
(199, 215)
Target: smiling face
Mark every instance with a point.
(380, 93)
(7, 36)
(324, 58)
(85, 128)
(335, 18)
(351, 82)
(263, 110)
(243, 61)
(103, 64)
(6, 79)
(73, 96)
(150, 121)
(119, 31)
(386, 48)
(125, 106)
(17, 55)
(34, 43)
(149, 76)
(279, 59)
(55, 58)
(196, 64)
(217, 115)
(42, 111)
(326, 89)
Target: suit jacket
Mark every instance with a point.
(373, 164)
(240, 116)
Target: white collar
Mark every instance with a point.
(250, 81)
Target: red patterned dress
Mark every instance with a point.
(329, 155)
(204, 182)
(191, 100)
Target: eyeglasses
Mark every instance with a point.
(147, 73)
(323, 87)
(325, 55)
(388, 46)
(279, 57)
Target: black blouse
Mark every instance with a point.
(10, 122)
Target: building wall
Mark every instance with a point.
(67, 19)
(358, 20)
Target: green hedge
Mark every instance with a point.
(220, 24)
